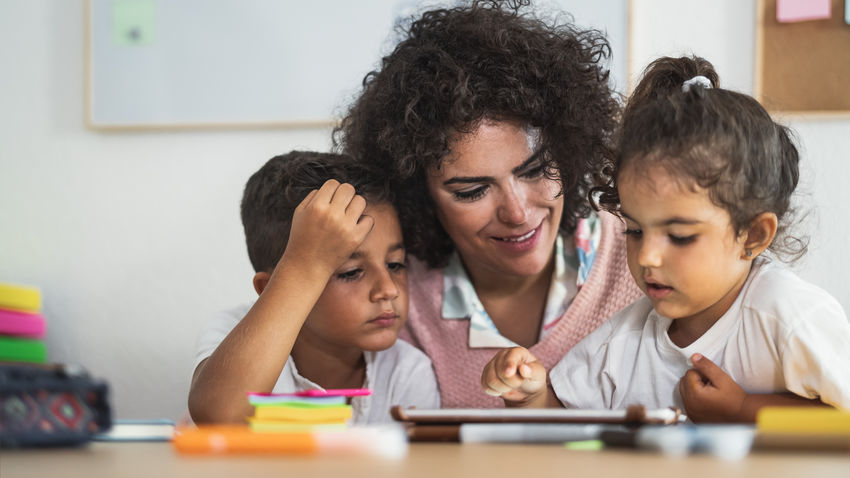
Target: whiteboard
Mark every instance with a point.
(206, 63)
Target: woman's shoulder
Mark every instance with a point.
(419, 270)
(425, 284)
(611, 253)
(609, 285)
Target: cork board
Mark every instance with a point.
(804, 67)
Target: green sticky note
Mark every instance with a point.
(133, 22)
(585, 445)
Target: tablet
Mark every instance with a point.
(635, 414)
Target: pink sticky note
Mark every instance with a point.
(24, 324)
(800, 10)
(331, 392)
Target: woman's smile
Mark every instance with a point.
(510, 227)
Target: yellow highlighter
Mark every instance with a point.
(803, 428)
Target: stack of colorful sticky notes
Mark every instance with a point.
(306, 410)
(21, 325)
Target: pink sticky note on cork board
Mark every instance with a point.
(800, 10)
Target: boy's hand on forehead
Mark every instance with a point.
(328, 225)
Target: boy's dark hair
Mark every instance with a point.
(458, 67)
(720, 140)
(275, 190)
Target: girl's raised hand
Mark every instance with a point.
(328, 226)
(517, 376)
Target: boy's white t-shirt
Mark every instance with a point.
(781, 334)
(399, 375)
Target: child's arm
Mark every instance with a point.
(516, 376)
(710, 395)
(326, 228)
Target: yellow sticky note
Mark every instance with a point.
(803, 420)
(268, 426)
(22, 298)
(312, 415)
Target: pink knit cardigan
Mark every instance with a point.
(608, 288)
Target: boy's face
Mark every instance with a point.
(365, 302)
(682, 249)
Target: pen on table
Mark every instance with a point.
(530, 432)
(387, 441)
(729, 442)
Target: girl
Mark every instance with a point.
(703, 180)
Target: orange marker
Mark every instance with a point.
(387, 441)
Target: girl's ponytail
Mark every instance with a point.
(665, 76)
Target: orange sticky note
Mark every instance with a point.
(385, 441)
(240, 439)
(788, 11)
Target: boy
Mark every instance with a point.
(332, 285)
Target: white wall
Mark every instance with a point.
(135, 239)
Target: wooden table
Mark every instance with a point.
(431, 460)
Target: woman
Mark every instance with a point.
(493, 124)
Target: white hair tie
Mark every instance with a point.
(697, 80)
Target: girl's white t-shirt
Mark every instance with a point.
(781, 334)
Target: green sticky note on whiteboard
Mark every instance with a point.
(133, 22)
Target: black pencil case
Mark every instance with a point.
(50, 406)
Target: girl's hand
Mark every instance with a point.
(328, 226)
(516, 376)
(710, 394)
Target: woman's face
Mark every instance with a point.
(495, 202)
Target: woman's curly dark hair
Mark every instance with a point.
(460, 66)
